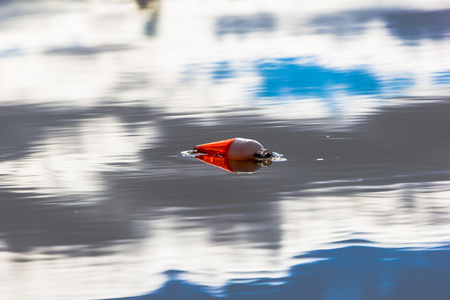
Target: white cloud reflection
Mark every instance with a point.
(82, 54)
(70, 160)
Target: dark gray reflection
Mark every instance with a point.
(153, 8)
(143, 3)
(83, 50)
(208, 203)
(22, 126)
(408, 25)
(27, 223)
(151, 27)
(243, 24)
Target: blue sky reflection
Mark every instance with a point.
(442, 78)
(222, 70)
(354, 272)
(287, 77)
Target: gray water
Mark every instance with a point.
(99, 98)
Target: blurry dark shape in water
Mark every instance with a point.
(83, 50)
(152, 24)
(264, 22)
(406, 24)
(152, 8)
(143, 3)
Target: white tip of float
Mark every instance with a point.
(243, 149)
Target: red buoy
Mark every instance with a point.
(234, 149)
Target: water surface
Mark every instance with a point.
(98, 99)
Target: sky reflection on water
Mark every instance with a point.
(408, 25)
(98, 98)
(355, 272)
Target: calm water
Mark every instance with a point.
(98, 99)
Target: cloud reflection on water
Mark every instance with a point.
(408, 25)
(355, 272)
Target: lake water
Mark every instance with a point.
(99, 98)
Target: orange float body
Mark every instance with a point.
(219, 148)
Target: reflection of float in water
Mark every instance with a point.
(235, 166)
(237, 155)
